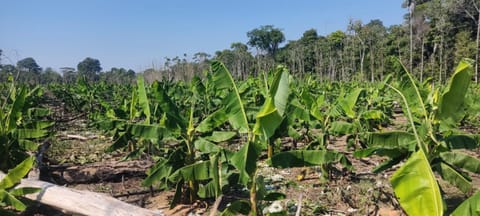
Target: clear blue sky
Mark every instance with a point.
(136, 34)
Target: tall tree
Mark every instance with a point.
(89, 69)
(28, 64)
(266, 38)
(470, 9)
(29, 70)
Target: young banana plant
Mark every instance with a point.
(431, 145)
(21, 125)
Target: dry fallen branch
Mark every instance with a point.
(100, 171)
(299, 205)
(81, 202)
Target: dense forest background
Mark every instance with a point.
(434, 36)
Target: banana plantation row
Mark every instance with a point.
(207, 135)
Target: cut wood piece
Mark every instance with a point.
(79, 137)
(81, 202)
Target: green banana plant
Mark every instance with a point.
(430, 145)
(267, 121)
(8, 192)
(22, 125)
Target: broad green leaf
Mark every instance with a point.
(215, 174)
(143, 99)
(193, 172)
(348, 103)
(168, 106)
(10, 200)
(279, 89)
(270, 115)
(451, 107)
(462, 160)
(30, 133)
(245, 160)
(268, 120)
(38, 112)
(470, 207)
(121, 142)
(212, 121)
(340, 128)
(15, 112)
(301, 158)
(233, 105)
(237, 207)
(235, 111)
(297, 111)
(148, 131)
(416, 187)
(16, 174)
(461, 142)
(40, 124)
(373, 115)
(455, 178)
(206, 146)
(24, 190)
(28, 145)
(207, 190)
(391, 140)
(160, 171)
(414, 93)
(221, 136)
(133, 105)
(197, 87)
(387, 164)
(177, 197)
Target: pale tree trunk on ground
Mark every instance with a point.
(81, 202)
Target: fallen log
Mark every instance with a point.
(100, 171)
(81, 202)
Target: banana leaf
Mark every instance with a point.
(462, 160)
(391, 140)
(301, 158)
(198, 171)
(455, 177)
(348, 103)
(30, 133)
(245, 160)
(462, 142)
(416, 187)
(238, 207)
(151, 132)
(221, 136)
(24, 190)
(206, 146)
(469, 207)
(271, 114)
(233, 105)
(451, 108)
(168, 107)
(10, 200)
(212, 121)
(16, 174)
(340, 128)
(143, 99)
